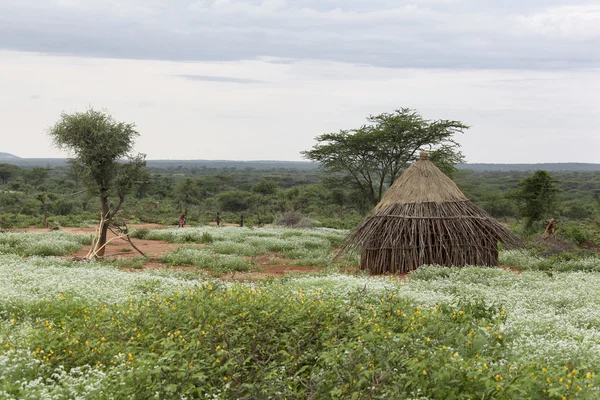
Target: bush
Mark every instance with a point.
(574, 233)
(10, 221)
(234, 200)
(346, 222)
(200, 341)
(140, 233)
(295, 220)
(206, 238)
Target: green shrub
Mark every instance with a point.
(206, 238)
(140, 233)
(243, 342)
(574, 233)
(346, 222)
(10, 221)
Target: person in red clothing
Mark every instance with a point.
(181, 220)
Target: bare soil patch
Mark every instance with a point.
(272, 265)
(119, 247)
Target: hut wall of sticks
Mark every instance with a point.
(424, 219)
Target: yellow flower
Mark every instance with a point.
(424, 372)
(544, 369)
(498, 387)
(225, 378)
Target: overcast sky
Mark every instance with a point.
(259, 79)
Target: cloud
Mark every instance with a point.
(511, 34)
(211, 78)
(570, 22)
(516, 116)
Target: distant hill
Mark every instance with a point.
(8, 156)
(299, 165)
(554, 167)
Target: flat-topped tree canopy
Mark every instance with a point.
(423, 219)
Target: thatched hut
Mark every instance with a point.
(424, 218)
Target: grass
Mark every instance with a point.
(132, 263)
(298, 246)
(527, 260)
(86, 329)
(54, 243)
(217, 263)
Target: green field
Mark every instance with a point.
(88, 330)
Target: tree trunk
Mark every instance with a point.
(42, 199)
(45, 213)
(104, 224)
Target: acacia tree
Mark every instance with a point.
(536, 197)
(7, 172)
(98, 143)
(187, 191)
(36, 177)
(373, 156)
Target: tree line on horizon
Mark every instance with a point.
(357, 166)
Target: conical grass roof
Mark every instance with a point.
(424, 218)
(422, 182)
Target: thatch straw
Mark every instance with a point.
(424, 218)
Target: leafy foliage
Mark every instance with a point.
(536, 197)
(98, 143)
(373, 156)
(445, 333)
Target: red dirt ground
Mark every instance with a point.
(154, 249)
(272, 266)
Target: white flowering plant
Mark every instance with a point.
(84, 330)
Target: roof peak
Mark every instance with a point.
(422, 182)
